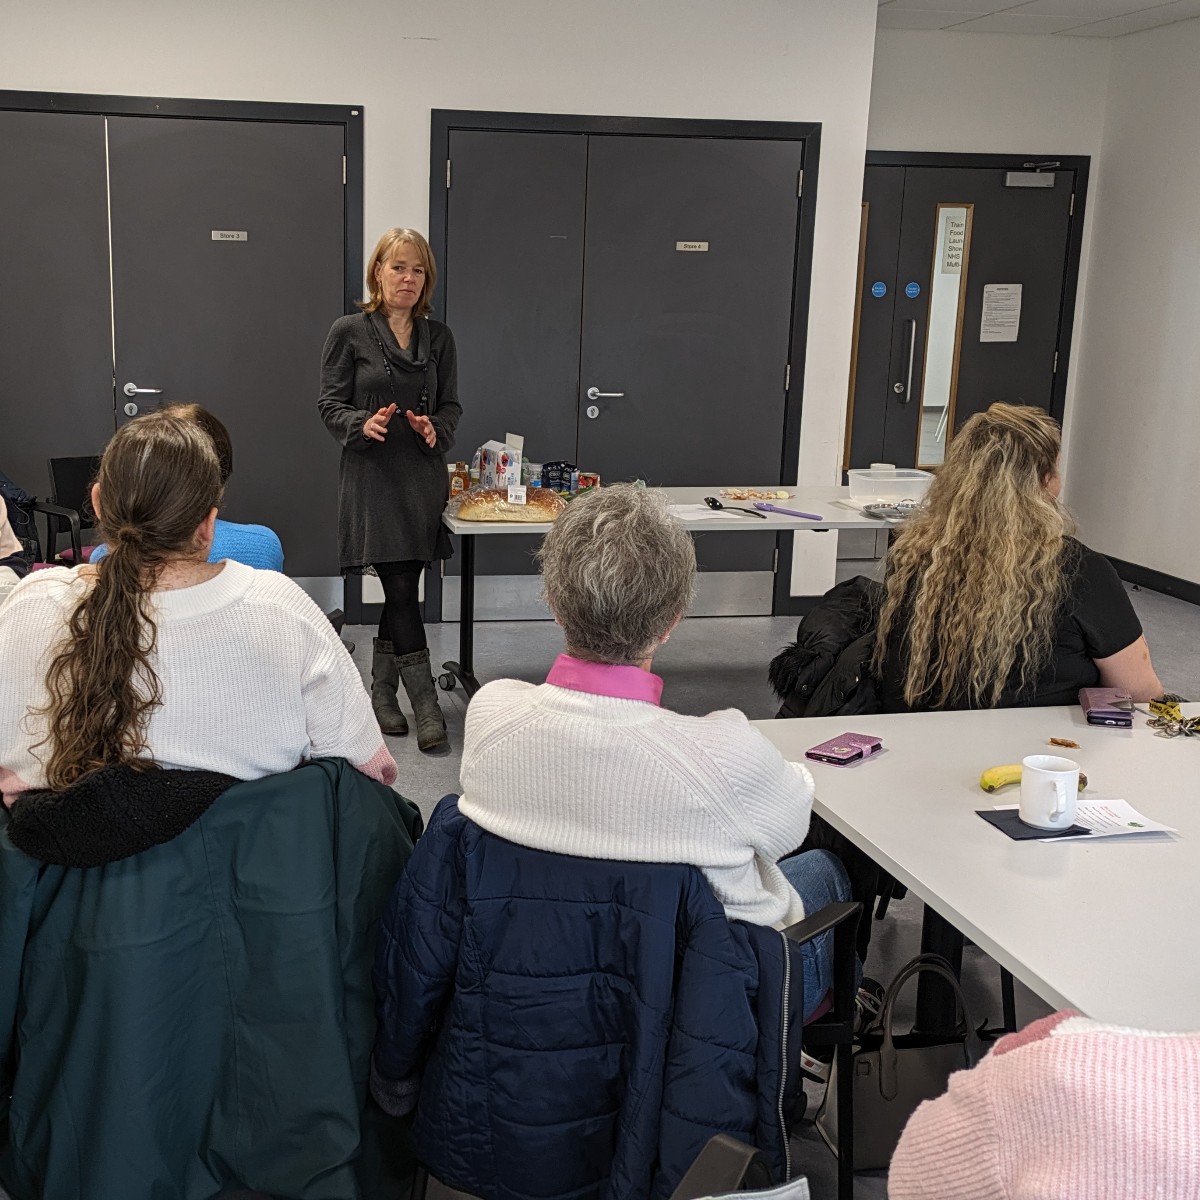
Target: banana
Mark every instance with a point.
(995, 778)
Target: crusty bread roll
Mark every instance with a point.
(491, 504)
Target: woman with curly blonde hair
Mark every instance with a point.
(990, 601)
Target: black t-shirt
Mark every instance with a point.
(1096, 621)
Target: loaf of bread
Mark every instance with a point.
(492, 504)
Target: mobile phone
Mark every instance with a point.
(1107, 706)
(845, 749)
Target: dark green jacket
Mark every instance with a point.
(200, 1016)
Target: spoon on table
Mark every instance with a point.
(714, 503)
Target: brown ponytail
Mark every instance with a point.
(159, 479)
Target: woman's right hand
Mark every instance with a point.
(375, 426)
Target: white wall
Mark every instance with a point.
(990, 93)
(1134, 475)
(806, 60)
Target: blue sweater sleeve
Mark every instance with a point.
(254, 545)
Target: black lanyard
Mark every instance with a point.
(423, 404)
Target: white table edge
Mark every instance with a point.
(967, 928)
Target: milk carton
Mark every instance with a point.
(499, 465)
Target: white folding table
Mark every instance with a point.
(829, 503)
(1108, 926)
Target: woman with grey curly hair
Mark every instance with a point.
(589, 764)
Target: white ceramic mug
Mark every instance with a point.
(1049, 791)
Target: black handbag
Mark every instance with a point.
(892, 1075)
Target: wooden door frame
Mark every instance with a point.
(444, 122)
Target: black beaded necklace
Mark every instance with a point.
(423, 403)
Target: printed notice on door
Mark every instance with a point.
(1001, 312)
(954, 244)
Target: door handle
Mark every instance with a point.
(594, 393)
(132, 389)
(904, 387)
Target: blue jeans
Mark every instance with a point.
(820, 879)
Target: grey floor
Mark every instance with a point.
(716, 662)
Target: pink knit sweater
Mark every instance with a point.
(1067, 1109)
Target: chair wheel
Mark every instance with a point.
(446, 682)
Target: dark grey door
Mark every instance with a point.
(659, 267)
(691, 248)
(228, 269)
(978, 273)
(56, 394)
(513, 294)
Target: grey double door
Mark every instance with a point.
(625, 303)
(152, 260)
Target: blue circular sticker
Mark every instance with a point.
(912, 290)
(878, 289)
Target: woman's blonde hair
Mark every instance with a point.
(385, 248)
(980, 574)
(159, 479)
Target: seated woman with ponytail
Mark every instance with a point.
(157, 657)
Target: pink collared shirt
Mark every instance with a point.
(605, 679)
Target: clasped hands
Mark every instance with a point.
(375, 426)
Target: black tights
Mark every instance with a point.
(401, 622)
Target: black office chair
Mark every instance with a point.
(836, 1027)
(69, 507)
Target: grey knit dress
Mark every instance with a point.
(391, 493)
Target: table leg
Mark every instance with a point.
(464, 669)
(936, 1004)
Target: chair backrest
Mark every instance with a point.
(72, 479)
(726, 1169)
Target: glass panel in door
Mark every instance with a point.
(943, 342)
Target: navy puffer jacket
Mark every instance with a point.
(573, 1028)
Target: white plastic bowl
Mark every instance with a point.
(871, 484)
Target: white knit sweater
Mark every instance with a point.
(603, 777)
(254, 678)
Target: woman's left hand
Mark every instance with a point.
(422, 426)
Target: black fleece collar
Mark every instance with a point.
(111, 814)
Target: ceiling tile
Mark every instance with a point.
(1085, 10)
(1016, 23)
(974, 7)
(1166, 14)
(891, 17)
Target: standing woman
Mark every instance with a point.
(389, 394)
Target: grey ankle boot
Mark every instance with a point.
(385, 678)
(418, 683)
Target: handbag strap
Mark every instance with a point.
(889, 1084)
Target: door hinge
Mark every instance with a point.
(343, 170)
(787, 377)
(1055, 369)
(1071, 210)
(447, 174)
(800, 182)
(775, 562)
